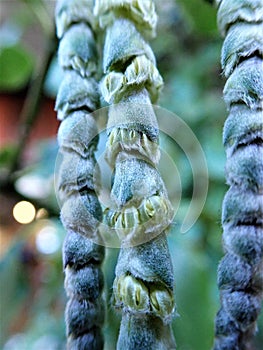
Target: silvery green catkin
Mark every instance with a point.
(81, 212)
(144, 284)
(240, 272)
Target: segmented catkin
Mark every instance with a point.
(240, 272)
(81, 211)
(143, 287)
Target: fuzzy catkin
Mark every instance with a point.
(240, 272)
(144, 283)
(81, 212)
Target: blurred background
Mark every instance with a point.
(32, 297)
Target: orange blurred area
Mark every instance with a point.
(46, 124)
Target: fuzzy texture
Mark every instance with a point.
(245, 85)
(81, 212)
(234, 11)
(140, 12)
(76, 93)
(143, 287)
(71, 12)
(243, 40)
(240, 272)
(154, 334)
(77, 50)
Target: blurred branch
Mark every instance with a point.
(31, 107)
(9, 190)
(42, 14)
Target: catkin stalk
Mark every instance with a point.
(80, 209)
(240, 272)
(144, 284)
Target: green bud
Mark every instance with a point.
(162, 302)
(131, 294)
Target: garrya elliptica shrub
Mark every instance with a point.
(240, 272)
(143, 290)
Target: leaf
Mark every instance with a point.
(16, 66)
(202, 15)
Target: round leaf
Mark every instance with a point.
(16, 66)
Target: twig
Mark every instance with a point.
(30, 108)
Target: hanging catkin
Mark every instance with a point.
(240, 272)
(144, 283)
(81, 211)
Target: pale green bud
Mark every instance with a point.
(245, 85)
(135, 113)
(242, 126)
(77, 50)
(141, 12)
(131, 294)
(82, 214)
(244, 240)
(144, 333)
(78, 133)
(233, 11)
(245, 168)
(74, 174)
(83, 315)
(122, 43)
(79, 251)
(140, 73)
(242, 207)
(243, 40)
(76, 93)
(86, 283)
(73, 11)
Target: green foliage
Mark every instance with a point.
(16, 67)
(201, 15)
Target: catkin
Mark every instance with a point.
(81, 212)
(240, 272)
(144, 284)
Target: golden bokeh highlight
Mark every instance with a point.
(24, 212)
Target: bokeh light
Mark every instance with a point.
(47, 240)
(24, 212)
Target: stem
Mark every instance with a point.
(240, 278)
(30, 109)
(144, 283)
(81, 211)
